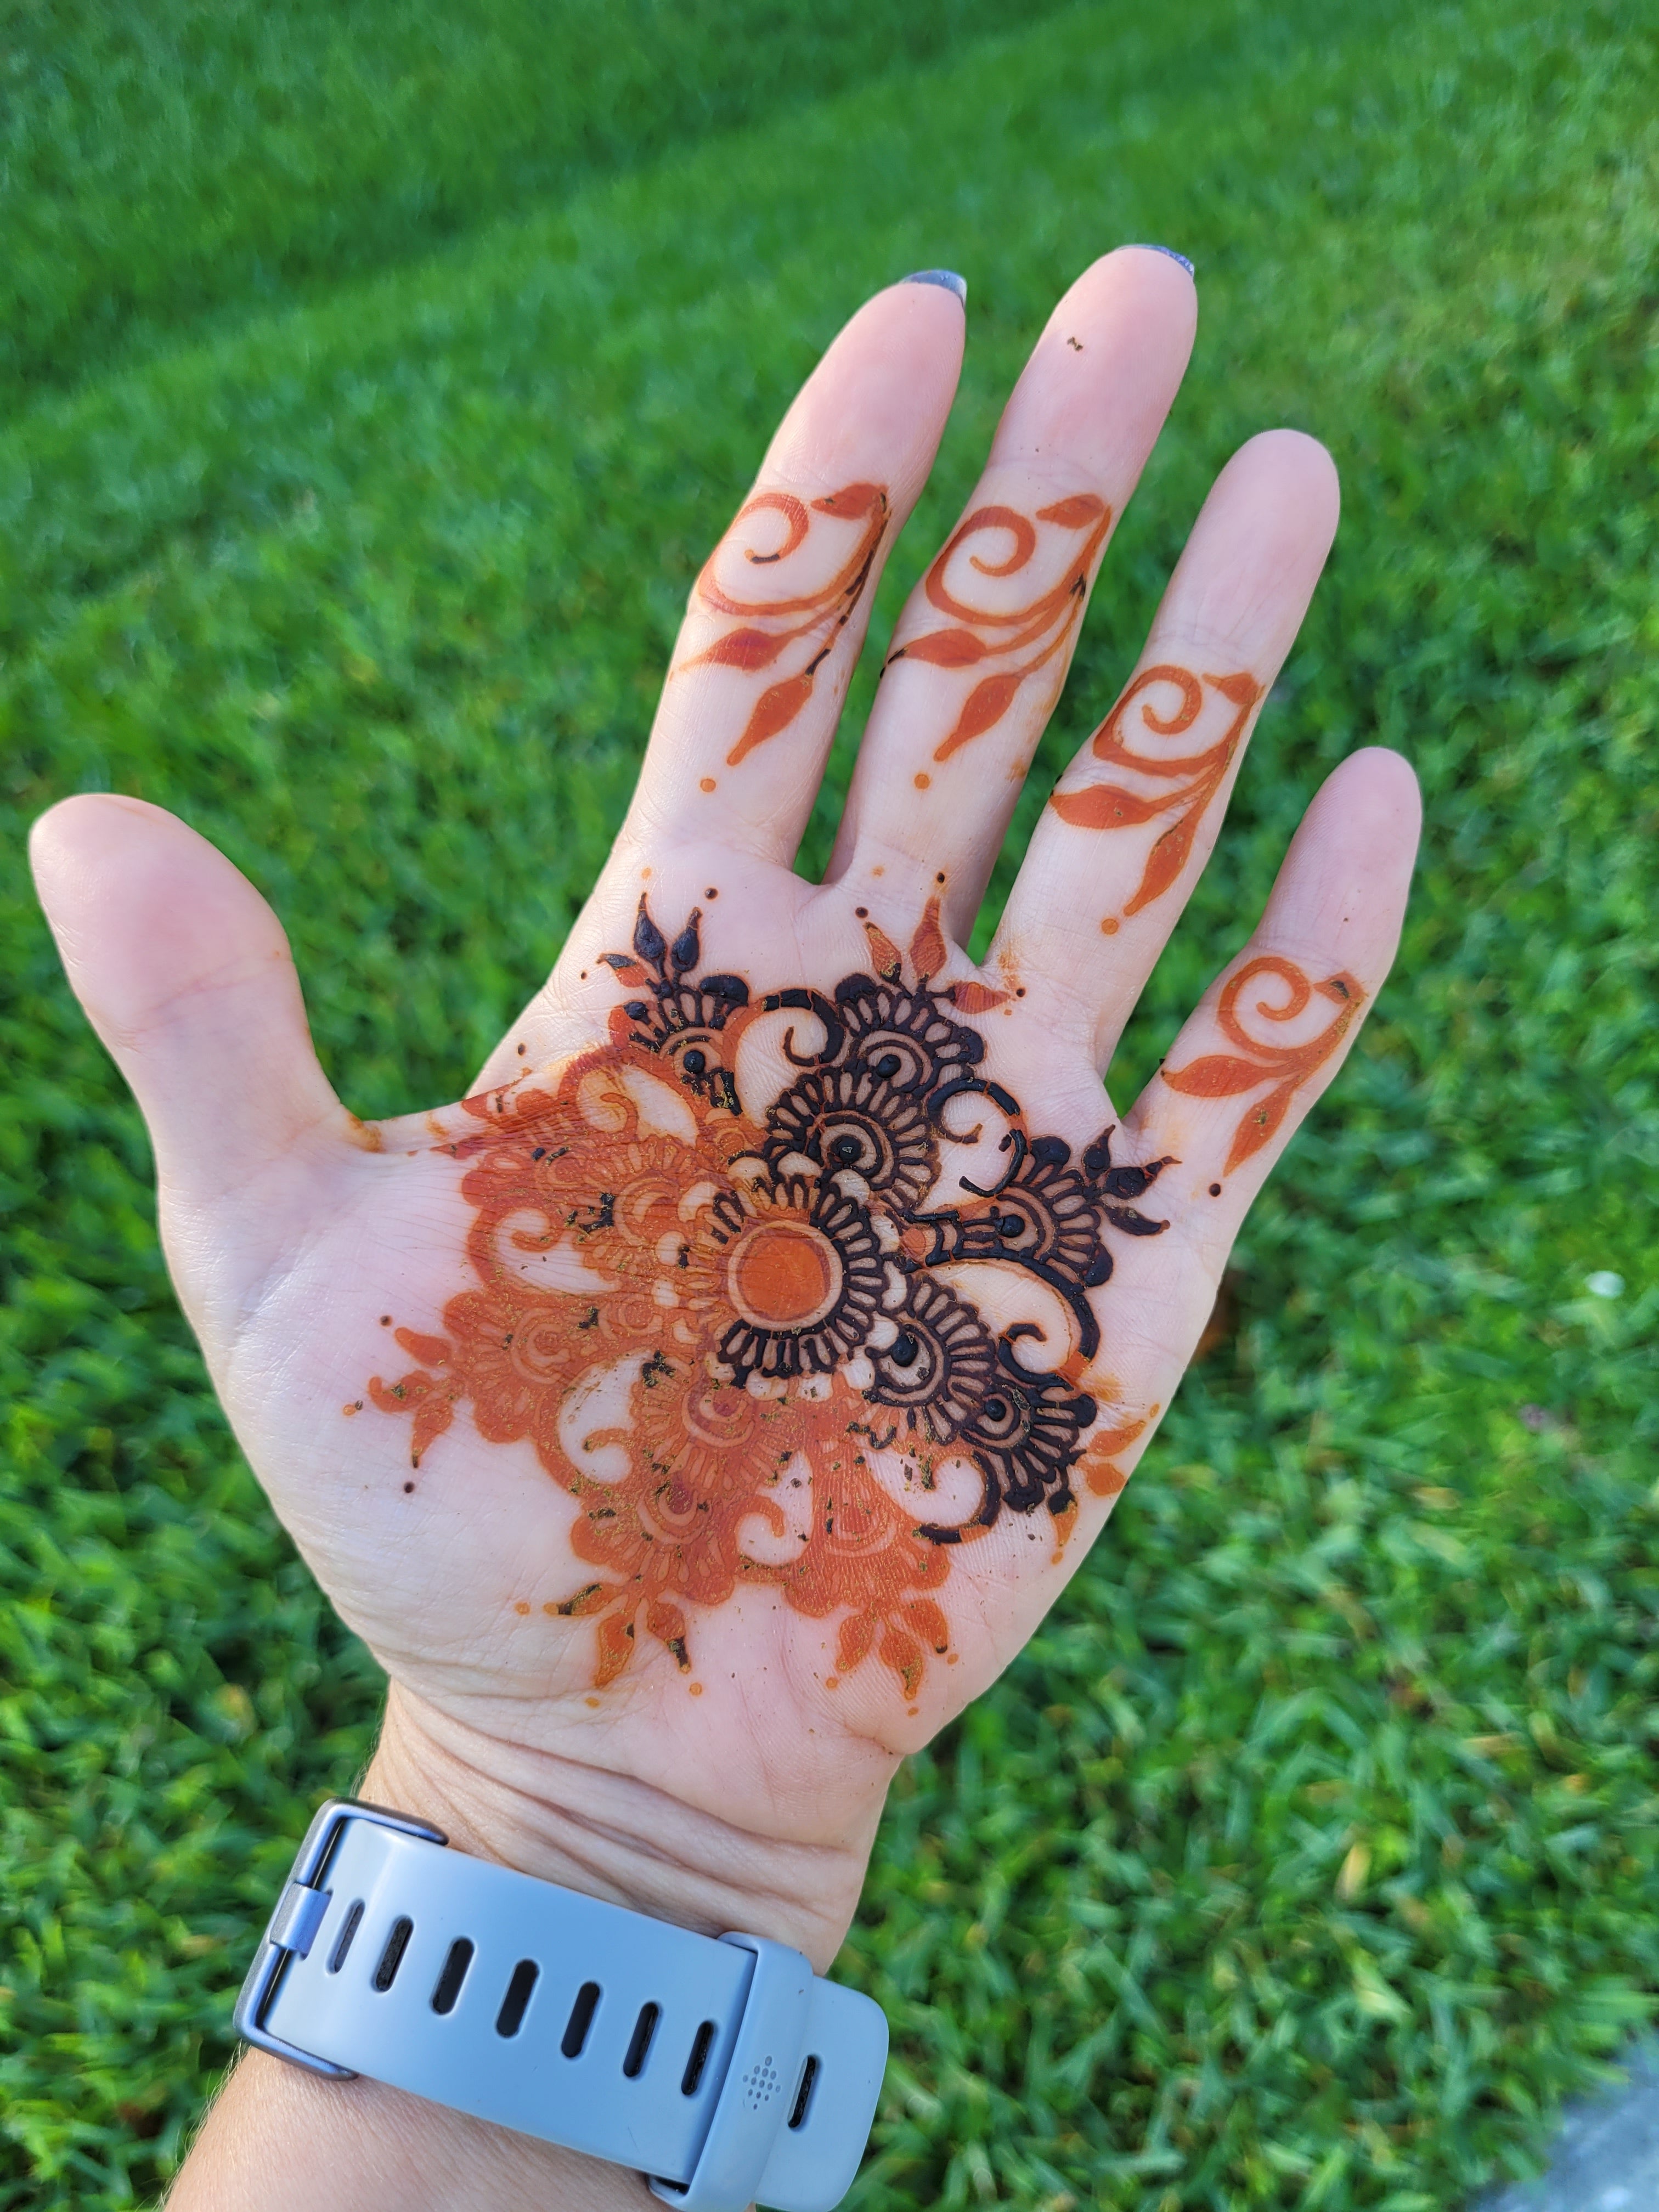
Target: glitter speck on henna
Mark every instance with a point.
(721, 1332)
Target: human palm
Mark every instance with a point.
(718, 1396)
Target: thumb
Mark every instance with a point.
(185, 974)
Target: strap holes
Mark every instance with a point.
(392, 1957)
(454, 1973)
(644, 2029)
(510, 2018)
(580, 2020)
(353, 1920)
(702, 2044)
(809, 2081)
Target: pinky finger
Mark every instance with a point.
(1272, 1032)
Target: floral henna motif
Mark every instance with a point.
(1027, 638)
(768, 629)
(1109, 806)
(739, 1333)
(1219, 1075)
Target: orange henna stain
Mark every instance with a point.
(1108, 926)
(1223, 1075)
(766, 630)
(742, 1318)
(522, 1606)
(706, 783)
(1039, 631)
(1110, 806)
(696, 1688)
(923, 781)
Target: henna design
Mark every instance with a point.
(744, 1341)
(1218, 1075)
(1040, 630)
(1109, 806)
(767, 628)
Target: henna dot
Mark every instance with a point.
(385, 1321)
(923, 782)
(523, 1606)
(832, 1682)
(713, 891)
(350, 1410)
(862, 912)
(911, 1711)
(696, 1688)
(408, 1486)
(940, 877)
(1109, 928)
(1019, 992)
(1215, 1190)
(645, 875)
(705, 783)
(587, 1701)
(522, 1050)
(953, 1658)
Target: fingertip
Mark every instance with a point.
(1377, 788)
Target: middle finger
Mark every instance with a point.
(981, 649)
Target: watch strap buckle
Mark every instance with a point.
(299, 1913)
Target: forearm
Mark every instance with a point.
(278, 2139)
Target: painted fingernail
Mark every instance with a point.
(946, 278)
(1144, 246)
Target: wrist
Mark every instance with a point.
(562, 1820)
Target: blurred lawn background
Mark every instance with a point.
(375, 376)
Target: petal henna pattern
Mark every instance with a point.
(1222, 1075)
(810, 623)
(745, 1343)
(1028, 636)
(1109, 807)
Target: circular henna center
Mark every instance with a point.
(785, 1276)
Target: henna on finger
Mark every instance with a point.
(747, 1329)
(1023, 639)
(806, 627)
(1256, 1061)
(1199, 776)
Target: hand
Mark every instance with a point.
(696, 1416)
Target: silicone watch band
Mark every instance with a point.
(725, 2071)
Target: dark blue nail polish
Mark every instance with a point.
(1143, 246)
(946, 278)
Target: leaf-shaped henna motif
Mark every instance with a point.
(1224, 1075)
(1199, 776)
(735, 1338)
(808, 624)
(1027, 637)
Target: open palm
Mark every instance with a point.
(717, 1398)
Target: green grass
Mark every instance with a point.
(1311, 1853)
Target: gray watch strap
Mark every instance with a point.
(725, 2072)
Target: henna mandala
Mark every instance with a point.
(746, 1336)
(1030, 635)
(1109, 806)
(768, 629)
(1219, 1075)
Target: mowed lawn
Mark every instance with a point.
(377, 380)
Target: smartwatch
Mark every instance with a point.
(725, 2072)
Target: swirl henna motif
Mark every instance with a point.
(743, 1340)
(1109, 807)
(1219, 1075)
(1026, 637)
(768, 629)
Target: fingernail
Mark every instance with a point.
(946, 278)
(1143, 246)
